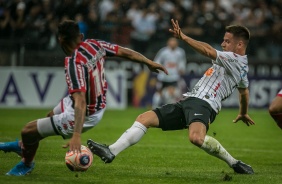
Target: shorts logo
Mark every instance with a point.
(197, 114)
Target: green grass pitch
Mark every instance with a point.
(160, 157)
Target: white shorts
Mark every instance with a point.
(62, 123)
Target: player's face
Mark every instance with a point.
(229, 43)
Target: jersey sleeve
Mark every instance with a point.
(225, 59)
(75, 76)
(111, 49)
(244, 83)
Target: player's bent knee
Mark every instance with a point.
(30, 129)
(148, 119)
(196, 139)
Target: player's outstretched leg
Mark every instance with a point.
(130, 137)
(101, 150)
(275, 110)
(213, 147)
(11, 147)
(30, 142)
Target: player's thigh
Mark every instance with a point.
(276, 105)
(31, 130)
(46, 127)
(171, 117)
(59, 124)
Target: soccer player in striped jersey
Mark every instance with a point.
(200, 106)
(86, 103)
(275, 109)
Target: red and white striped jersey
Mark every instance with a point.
(84, 72)
(229, 71)
(280, 93)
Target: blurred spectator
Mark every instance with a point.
(274, 34)
(92, 20)
(108, 26)
(18, 21)
(105, 7)
(142, 24)
(83, 27)
(144, 27)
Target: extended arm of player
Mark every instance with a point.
(79, 115)
(201, 47)
(139, 58)
(243, 100)
(243, 111)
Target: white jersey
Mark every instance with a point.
(229, 71)
(173, 61)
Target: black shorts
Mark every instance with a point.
(181, 114)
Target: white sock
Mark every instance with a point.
(130, 137)
(213, 147)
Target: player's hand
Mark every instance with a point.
(155, 67)
(74, 144)
(176, 29)
(245, 118)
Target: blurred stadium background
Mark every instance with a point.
(31, 62)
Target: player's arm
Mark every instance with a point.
(243, 108)
(243, 100)
(139, 58)
(201, 47)
(79, 115)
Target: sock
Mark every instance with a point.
(214, 148)
(28, 152)
(278, 119)
(130, 137)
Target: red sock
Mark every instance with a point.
(278, 119)
(29, 151)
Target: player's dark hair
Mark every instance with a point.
(68, 30)
(239, 31)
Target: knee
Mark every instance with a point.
(148, 119)
(143, 120)
(196, 139)
(29, 130)
(272, 110)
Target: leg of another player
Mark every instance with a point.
(30, 142)
(15, 146)
(133, 135)
(197, 136)
(275, 110)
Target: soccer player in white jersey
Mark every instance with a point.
(173, 58)
(200, 107)
(86, 103)
(275, 109)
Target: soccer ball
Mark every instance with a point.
(79, 161)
